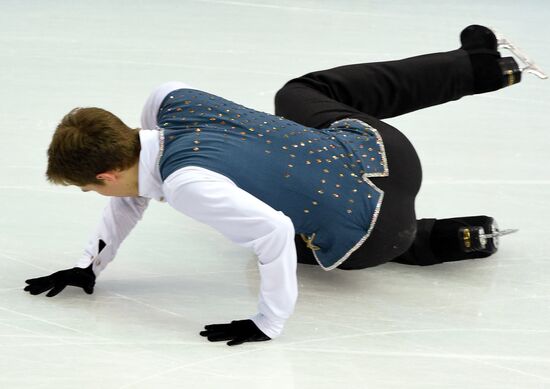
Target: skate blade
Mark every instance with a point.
(530, 65)
(501, 233)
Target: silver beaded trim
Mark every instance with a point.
(364, 238)
(161, 147)
(365, 176)
(379, 141)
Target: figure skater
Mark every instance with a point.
(325, 182)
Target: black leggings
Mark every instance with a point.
(370, 92)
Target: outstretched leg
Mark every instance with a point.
(381, 89)
(392, 88)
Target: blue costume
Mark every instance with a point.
(319, 178)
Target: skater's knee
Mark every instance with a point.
(288, 97)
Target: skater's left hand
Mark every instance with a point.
(237, 332)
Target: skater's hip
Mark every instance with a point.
(405, 170)
(395, 227)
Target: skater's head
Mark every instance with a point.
(93, 149)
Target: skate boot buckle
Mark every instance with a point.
(472, 238)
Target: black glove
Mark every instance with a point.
(77, 276)
(237, 332)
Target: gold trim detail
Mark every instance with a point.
(309, 241)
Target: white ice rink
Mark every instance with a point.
(473, 324)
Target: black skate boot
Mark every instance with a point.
(465, 237)
(490, 70)
(477, 38)
(455, 239)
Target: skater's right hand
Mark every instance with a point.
(56, 282)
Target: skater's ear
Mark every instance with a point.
(108, 176)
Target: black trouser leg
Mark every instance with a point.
(380, 89)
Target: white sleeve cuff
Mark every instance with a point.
(271, 327)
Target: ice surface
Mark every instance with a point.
(476, 324)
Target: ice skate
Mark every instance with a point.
(466, 237)
(453, 239)
(529, 66)
(491, 70)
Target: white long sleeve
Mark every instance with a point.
(214, 199)
(119, 217)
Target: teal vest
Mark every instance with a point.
(316, 177)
